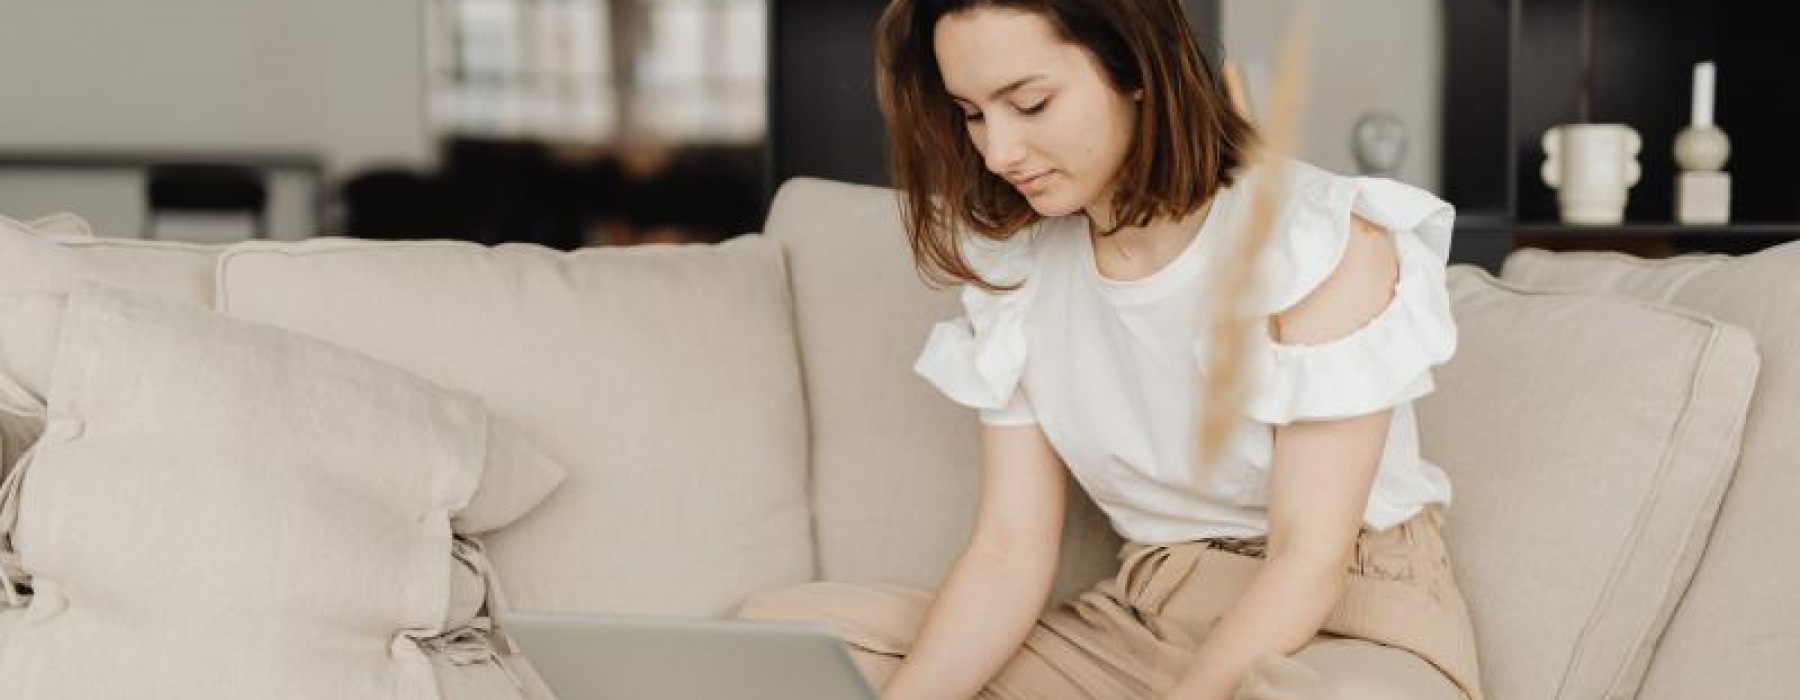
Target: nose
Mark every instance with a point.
(1003, 146)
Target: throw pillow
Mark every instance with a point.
(1742, 598)
(221, 509)
(1590, 439)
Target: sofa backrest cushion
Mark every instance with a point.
(1590, 439)
(1609, 272)
(62, 224)
(1737, 633)
(48, 255)
(896, 466)
(664, 379)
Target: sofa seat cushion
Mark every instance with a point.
(221, 509)
(1737, 633)
(1590, 439)
(665, 379)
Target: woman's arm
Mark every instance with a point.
(1319, 486)
(997, 589)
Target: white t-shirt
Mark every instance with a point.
(1112, 370)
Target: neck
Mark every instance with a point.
(1151, 245)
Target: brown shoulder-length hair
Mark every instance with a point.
(1189, 141)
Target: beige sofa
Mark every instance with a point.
(743, 417)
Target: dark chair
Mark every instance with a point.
(207, 188)
(398, 204)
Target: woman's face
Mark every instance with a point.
(1040, 110)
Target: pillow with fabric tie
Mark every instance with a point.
(222, 509)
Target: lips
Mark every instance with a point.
(1033, 183)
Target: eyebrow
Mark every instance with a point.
(1009, 87)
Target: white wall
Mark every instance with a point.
(1366, 55)
(342, 78)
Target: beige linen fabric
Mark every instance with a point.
(886, 446)
(9, 618)
(1737, 632)
(1657, 280)
(51, 255)
(517, 474)
(62, 225)
(51, 260)
(1590, 439)
(665, 380)
(467, 658)
(1400, 631)
(223, 510)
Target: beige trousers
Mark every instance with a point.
(1401, 630)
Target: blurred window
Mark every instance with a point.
(590, 71)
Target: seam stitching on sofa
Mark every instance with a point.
(1584, 652)
(1690, 532)
(808, 449)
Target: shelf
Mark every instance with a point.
(1488, 227)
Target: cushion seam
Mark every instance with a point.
(1634, 547)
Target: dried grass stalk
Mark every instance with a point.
(1232, 316)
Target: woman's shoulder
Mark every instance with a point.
(1318, 214)
(1376, 363)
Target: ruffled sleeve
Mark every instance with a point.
(1387, 361)
(978, 358)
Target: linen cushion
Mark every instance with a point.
(1737, 632)
(219, 509)
(1590, 439)
(665, 379)
(52, 254)
(1608, 272)
(886, 446)
(62, 225)
(51, 259)
(9, 618)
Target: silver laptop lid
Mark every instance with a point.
(646, 658)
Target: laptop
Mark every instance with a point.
(654, 658)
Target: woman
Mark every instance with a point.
(1071, 162)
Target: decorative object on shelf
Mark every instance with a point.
(1702, 189)
(1592, 167)
(1378, 141)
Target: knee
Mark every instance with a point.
(1345, 670)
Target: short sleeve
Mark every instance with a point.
(1387, 361)
(1017, 411)
(978, 358)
